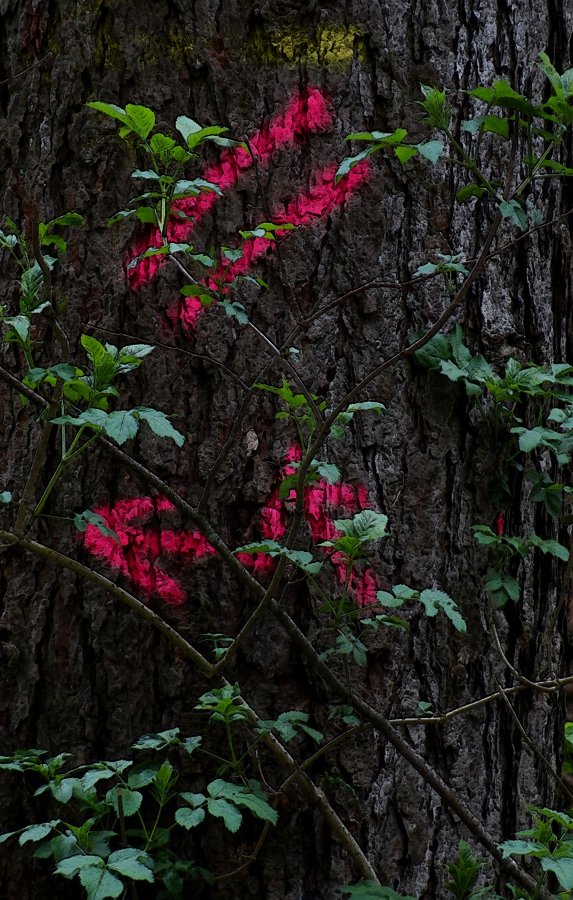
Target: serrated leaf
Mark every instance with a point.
(131, 800)
(146, 174)
(431, 150)
(70, 219)
(20, 325)
(158, 740)
(512, 209)
(329, 472)
(240, 795)
(132, 863)
(62, 790)
(469, 191)
(89, 517)
(226, 811)
(73, 864)
(91, 777)
(561, 868)
(349, 163)
(190, 744)
(140, 119)
(236, 311)
(554, 548)
(521, 848)
(121, 425)
(189, 818)
(405, 153)
(159, 424)
(100, 884)
(35, 832)
(434, 601)
(367, 525)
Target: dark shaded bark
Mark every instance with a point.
(82, 675)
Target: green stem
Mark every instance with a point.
(68, 457)
(229, 732)
(535, 169)
(468, 163)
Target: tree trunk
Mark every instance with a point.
(79, 672)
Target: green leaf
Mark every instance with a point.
(226, 811)
(490, 123)
(70, 219)
(469, 191)
(146, 174)
(20, 325)
(434, 601)
(236, 311)
(89, 517)
(329, 472)
(512, 209)
(131, 800)
(561, 868)
(367, 525)
(159, 424)
(554, 548)
(431, 150)
(190, 744)
(140, 119)
(158, 740)
(386, 599)
(62, 789)
(132, 863)
(529, 439)
(498, 584)
(189, 818)
(521, 848)
(239, 795)
(73, 864)
(552, 74)
(435, 105)
(92, 776)
(383, 138)
(100, 884)
(349, 163)
(185, 188)
(110, 109)
(194, 134)
(502, 94)
(35, 832)
(121, 426)
(405, 153)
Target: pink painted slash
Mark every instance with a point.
(143, 540)
(307, 113)
(305, 209)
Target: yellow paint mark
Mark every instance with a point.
(331, 46)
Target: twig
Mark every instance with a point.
(171, 348)
(142, 612)
(407, 752)
(27, 69)
(522, 678)
(531, 743)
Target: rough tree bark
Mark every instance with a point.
(80, 674)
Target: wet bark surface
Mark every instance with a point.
(80, 674)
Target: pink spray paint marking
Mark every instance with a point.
(316, 203)
(306, 114)
(143, 540)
